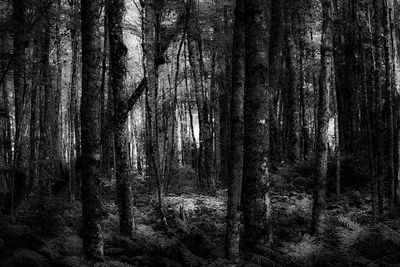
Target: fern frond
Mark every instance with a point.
(263, 260)
(389, 234)
(349, 223)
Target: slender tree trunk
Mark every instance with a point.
(293, 118)
(337, 148)
(224, 108)
(377, 166)
(104, 122)
(275, 48)
(196, 75)
(19, 14)
(215, 144)
(326, 81)
(5, 143)
(303, 115)
(90, 127)
(370, 106)
(118, 54)
(48, 112)
(73, 109)
(235, 162)
(57, 122)
(256, 205)
(171, 155)
(316, 96)
(33, 133)
(151, 30)
(389, 91)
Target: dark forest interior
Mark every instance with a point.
(199, 133)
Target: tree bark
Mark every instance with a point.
(275, 49)
(256, 206)
(118, 54)
(390, 88)
(74, 150)
(47, 112)
(326, 81)
(224, 106)
(33, 133)
(19, 44)
(235, 163)
(151, 32)
(303, 108)
(293, 107)
(193, 48)
(90, 129)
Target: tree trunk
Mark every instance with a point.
(256, 206)
(235, 162)
(106, 105)
(390, 88)
(337, 148)
(275, 48)
(19, 40)
(303, 108)
(293, 112)
(377, 166)
(48, 112)
(33, 133)
(73, 105)
(90, 129)
(200, 101)
(224, 108)
(326, 81)
(57, 121)
(151, 31)
(118, 54)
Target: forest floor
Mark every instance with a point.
(47, 231)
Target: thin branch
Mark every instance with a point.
(136, 94)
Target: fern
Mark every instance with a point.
(350, 234)
(72, 261)
(349, 223)
(275, 256)
(389, 234)
(263, 260)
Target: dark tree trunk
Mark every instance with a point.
(33, 132)
(74, 149)
(303, 108)
(390, 88)
(275, 49)
(235, 163)
(293, 107)
(377, 167)
(90, 129)
(224, 107)
(19, 44)
(200, 101)
(47, 110)
(106, 104)
(346, 83)
(151, 34)
(256, 206)
(326, 81)
(57, 119)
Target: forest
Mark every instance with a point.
(199, 133)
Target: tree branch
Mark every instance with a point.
(136, 94)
